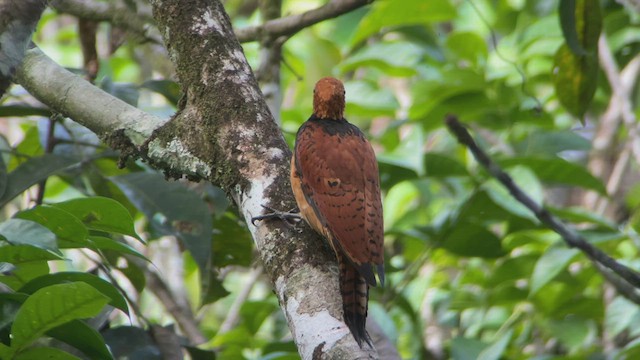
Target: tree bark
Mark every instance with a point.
(223, 132)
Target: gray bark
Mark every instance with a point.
(223, 133)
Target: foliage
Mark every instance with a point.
(471, 272)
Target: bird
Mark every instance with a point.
(336, 184)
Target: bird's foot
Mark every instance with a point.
(290, 218)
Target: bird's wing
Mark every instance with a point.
(338, 176)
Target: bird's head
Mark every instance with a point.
(328, 99)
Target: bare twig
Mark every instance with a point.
(234, 311)
(183, 315)
(601, 162)
(570, 236)
(268, 73)
(292, 24)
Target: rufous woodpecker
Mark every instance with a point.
(335, 180)
(334, 177)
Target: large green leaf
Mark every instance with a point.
(103, 286)
(53, 306)
(172, 209)
(575, 79)
(102, 214)
(581, 22)
(82, 337)
(441, 165)
(26, 232)
(621, 314)
(48, 353)
(128, 342)
(469, 239)
(544, 143)
(169, 89)
(550, 264)
(393, 58)
(527, 181)
(387, 13)
(18, 254)
(558, 171)
(367, 99)
(64, 225)
(32, 172)
(104, 243)
(497, 348)
(409, 153)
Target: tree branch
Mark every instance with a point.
(570, 236)
(118, 15)
(292, 24)
(18, 19)
(223, 133)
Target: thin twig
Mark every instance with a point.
(292, 24)
(183, 315)
(570, 236)
(234, 311)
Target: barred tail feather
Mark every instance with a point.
(355, 296)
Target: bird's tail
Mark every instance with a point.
(355, 298)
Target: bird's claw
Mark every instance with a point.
(289, 218)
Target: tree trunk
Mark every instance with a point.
(223, 133)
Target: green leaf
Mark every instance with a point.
(463, 348)
(558, 171)
(575, 79)
(620, 314)
(233, 245)
(19, 254)
(24, 273)
(409, 153)
(102, 214)
(169, 89)
(440, 165)
(469, 239)
(5, 352)
(104, 243)
(128, 342)
(468, 46)
(103, 286)
(24, 110)
(581, 22)
(32, 172)
(497, 348)
(527, 181)
(63, 224)
(366, 99)
(82, 337)
(541, 143)
(172, 209)
(26, 232)
(387, 13)
(438, 87)
(53, 306)
(393, 58)
(47, 353)
(550, 264)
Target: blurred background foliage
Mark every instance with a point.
(472, 274)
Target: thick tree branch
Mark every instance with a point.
(18, 19)
(570, 236)
(223, 133)
(292, 24)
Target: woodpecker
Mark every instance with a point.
(335, 180)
